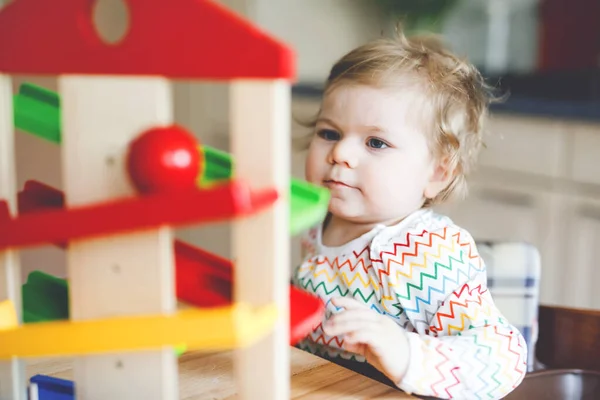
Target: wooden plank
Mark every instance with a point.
(260, 128)
(125, 274)
(12, 373)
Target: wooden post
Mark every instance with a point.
(260, 129)
(119, 275)
(12, 373)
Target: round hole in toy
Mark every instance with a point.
(111, 20)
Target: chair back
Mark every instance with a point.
(513, 273)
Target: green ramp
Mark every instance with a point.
(45, 298)
(37, 111)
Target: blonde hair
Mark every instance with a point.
(455, 91)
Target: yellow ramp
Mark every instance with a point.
(210, 329)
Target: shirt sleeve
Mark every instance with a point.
(461, 346)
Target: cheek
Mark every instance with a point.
(397, 177)
(314, 164)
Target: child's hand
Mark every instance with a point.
(376, 337)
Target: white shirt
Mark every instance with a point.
(424, 273)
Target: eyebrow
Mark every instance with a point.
(370, 128)
(328, 121)
(376, 129)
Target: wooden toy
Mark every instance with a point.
(118, 228)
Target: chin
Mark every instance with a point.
(345, 214)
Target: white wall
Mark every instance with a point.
(320, 31)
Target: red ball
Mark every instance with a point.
(164, 159)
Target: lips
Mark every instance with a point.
(331, 183)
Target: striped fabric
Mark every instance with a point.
(427, 275)
(514, 270)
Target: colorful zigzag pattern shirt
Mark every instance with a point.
(426, 274)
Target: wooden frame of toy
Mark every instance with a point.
(130, 176)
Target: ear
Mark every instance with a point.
(442, 174)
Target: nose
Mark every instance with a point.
(344, 153)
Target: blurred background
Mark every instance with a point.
(539, 177)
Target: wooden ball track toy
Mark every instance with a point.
(130, 176)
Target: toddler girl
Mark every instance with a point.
(399, 127)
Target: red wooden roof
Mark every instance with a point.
(194, 39)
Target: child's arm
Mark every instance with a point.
(470, 350)
(463, 347)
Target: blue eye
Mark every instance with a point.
(328, 134)
(376, 143)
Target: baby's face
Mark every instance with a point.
(370, 149)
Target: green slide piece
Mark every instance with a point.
(218, 166)
(46, 298)
(37, 111)
(309, 205)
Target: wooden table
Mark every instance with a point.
(210, 376)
